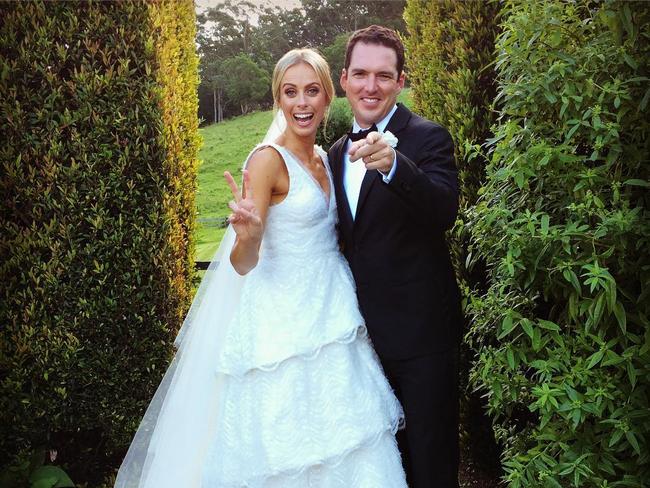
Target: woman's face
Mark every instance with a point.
(302, 99)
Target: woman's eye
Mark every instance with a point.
(290, 93)
(313, 91)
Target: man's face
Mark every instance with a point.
(372, 82)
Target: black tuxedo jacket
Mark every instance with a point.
(396, 244)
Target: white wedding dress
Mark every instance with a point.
(303, 401)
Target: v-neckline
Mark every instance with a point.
(326, 194)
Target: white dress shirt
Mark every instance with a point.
(353, 173)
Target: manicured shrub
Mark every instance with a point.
(449, 57)
(450, 52)
(563, 226)
(98, 117)
(339, 122)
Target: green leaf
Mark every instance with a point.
(611, 358)
(511, 358)
(595, 358)
(616, 436)
(621, 316)
(644, 100)
(598, 309)
(635, 182)
(45, 482)
(631, 374)
(573, 395)
(575, 416)
(528, 327)
(506, 326)
(572, 131)
(630, 62)
(537, 339)
(545, 223)
(519, 180)
(627, 20)
(50, 477)
(550, 97)
(552, 482)
(548, 325)
(631, 438)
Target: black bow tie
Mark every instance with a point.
(356, 136)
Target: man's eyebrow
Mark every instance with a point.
(379, 73)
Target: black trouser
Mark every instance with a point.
(427, 387)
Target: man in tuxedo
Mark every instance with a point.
(394, 206)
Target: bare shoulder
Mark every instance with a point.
(266, 167)
(265, 159)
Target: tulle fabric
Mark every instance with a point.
(165, 436)
(179, 422)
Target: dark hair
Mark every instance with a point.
(376, 34)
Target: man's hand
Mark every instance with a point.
(374, 151)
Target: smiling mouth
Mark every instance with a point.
(303, 119)
(370, 100)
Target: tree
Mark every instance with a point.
(264, 34)
(327, 19)
(335, 55)
(210, 77)
(244, 82)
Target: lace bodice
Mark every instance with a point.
(303, 224)
(299, 258)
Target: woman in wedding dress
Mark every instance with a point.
(275, 383)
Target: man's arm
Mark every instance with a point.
(430, 184)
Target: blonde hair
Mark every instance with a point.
(309, 57)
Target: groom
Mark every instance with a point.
(394, 207)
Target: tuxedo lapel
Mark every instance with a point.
(397, 122)
(345, 214)
(369, 181)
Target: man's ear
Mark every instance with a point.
(344, 79)
(401, 79)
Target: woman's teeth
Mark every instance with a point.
(303, 118)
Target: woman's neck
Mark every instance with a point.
(302, 147)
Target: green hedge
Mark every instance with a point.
(98, 104)
(450, 52)
(450, 55)
(563, 224)
(339, 122)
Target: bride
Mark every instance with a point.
(275, 383)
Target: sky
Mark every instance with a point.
(201, 5)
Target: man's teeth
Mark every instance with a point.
(370, 100)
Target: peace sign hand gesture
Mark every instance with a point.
(244, 219)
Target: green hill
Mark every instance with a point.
(225, 147)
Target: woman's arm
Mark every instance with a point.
(250, 207)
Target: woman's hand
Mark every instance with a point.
(244, 219)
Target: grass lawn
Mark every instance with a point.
(225, 147)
